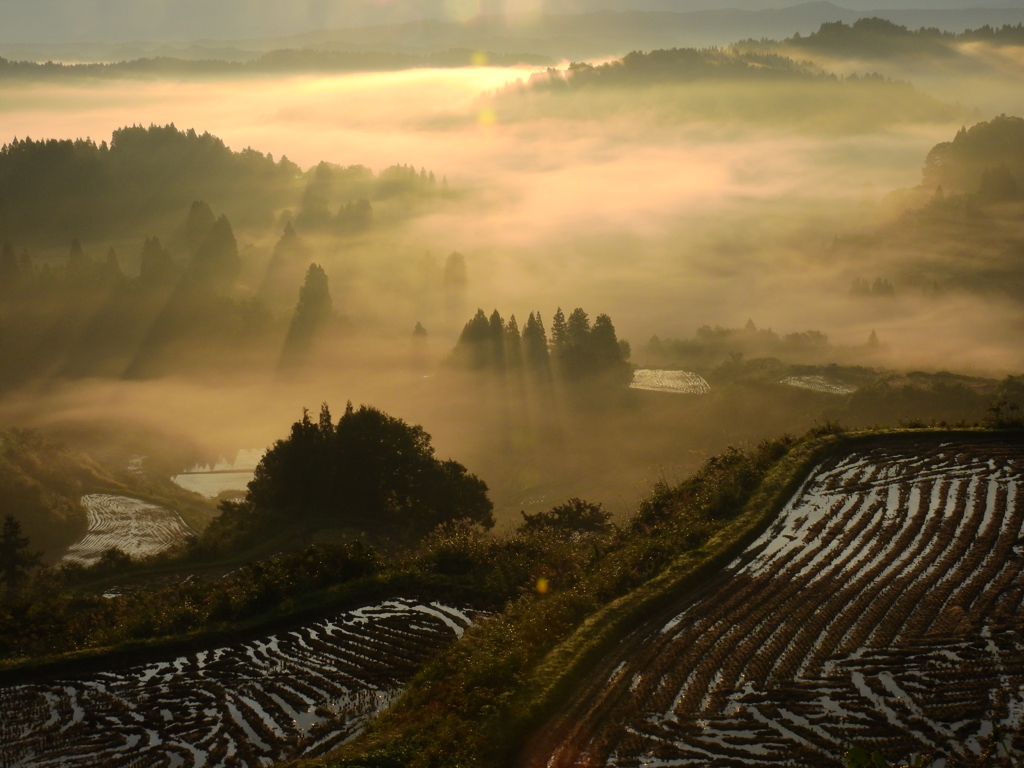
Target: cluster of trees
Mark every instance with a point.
(284, 60)
(315, 207)
(877, 38)
(403, 179)
(675, 65)
(712, 346)
(54, 190)
(86, 317)
(369, 472)
(577, 349)
(880, 287)
(987, 158)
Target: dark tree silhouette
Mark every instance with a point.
(198, 223)
(582, 352)
(216, 262)
(574, 516)
(78, 265)
(513, 344)
(156, 265)
(313, 314)
(370, 471)
(314, 211)
(473, 349)
(496, 342)
(285, 269)
(535, 344)
(15, 559)
(558, 332)
(354, 217)
(998, 185)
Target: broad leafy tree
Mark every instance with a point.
(370, 471)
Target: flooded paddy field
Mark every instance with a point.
(669, 381)
(883, 608)
(293, 693)
(819, 384)
(136, 527)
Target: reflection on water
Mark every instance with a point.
(210, 484)
(212, 479)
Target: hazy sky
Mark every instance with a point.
(53, 21)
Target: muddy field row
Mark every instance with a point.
(298, 692)
(883, 608)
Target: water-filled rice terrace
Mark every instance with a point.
(294, 693)
(133, 526)
(882, 609)
(819, 384)
(684, 382)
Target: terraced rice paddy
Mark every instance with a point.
(819, 384)
(669, 381)
(883, 608)
(294, 693)
(133, 526)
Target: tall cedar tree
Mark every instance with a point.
(313, 314)
(216, 262)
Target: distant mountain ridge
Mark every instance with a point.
(613, 29)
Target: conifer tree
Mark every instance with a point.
(216, 262)
(496, 342)
(156, 265)
(316, 199)
(112, 267)
(535, 343)
(78, 263)
(473, 349)
(313, 314)
(577, 329)
(558, 333)
(513, 344)
(198, 223)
